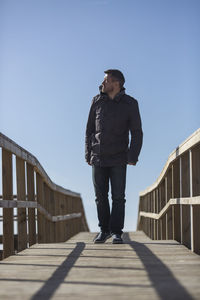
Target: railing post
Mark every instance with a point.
(163, 202)
(57, 231)
(46, 221)
(62, 223)
(21, 212)
(52, 212)
(154, 210)
(31, 211)
(159, 208)
(181, 214)
(195, 163)
(191, 207)
(169, 196)
(40, 200)
(7, 180)
(176, 194)
(67, 229)
(186, 239)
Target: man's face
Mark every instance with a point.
(108, 84)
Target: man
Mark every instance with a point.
(113, 114)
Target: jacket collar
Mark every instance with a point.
(117, 97)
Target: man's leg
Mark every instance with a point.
(100, 176)
(118, 185)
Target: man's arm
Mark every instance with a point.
(135, 127)
(90, 128)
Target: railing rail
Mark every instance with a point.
(170, 208)
(46, 212)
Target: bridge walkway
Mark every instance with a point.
(140, 268)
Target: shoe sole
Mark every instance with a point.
(101, 242)
(117, 242)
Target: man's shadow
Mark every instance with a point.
(163, 280)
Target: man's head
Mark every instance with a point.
(113, 81)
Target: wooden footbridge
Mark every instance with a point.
(48, 251)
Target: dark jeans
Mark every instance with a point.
(110, 220)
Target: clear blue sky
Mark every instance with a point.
(52, 58)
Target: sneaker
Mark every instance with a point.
(117, 238)
(102, 237)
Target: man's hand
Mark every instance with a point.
(132, 164)
(89, 163)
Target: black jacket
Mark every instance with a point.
(107, 130)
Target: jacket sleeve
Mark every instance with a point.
(135, 127)
(90, 129)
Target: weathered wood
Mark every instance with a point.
(46, 221)
(52, 210)
(139, 269)
(196, 228)
(177, 198)
(31, 211)
(40, 200)
(169, 234)
(163, 194)
(21, 212)
(190, 142)
(51, 226)
(159, 237)
(176, 178)
(7, 185)
(57, 212)
(163, 227)
(176, 201)
(12, 147)
(176, 223)
(196, 170)
(186, 238)
(185, 175)
(43, 211)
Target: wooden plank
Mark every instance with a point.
(70, 211)
(159, 229)
(52, 212)
(185, 146)
(67, 235)
(40, 200)
(196, 228)
(56, 199)
(21, 212)
(176, 178)
(162, 194)
(185, 175)
(184, 201)
(176, 223)
(139, 269)
(31, 211)
(62, 224)
(169, 224)
(186, 236)
(163, 227)
(7, 191)
(46, 221)
(196, 170)
(20, 152)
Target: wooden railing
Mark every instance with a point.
(46, 212)
(170, 208)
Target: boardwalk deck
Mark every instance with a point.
(79, 269)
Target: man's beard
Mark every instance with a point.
(106, 90)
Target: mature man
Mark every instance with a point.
(113, 114)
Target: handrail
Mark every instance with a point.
(170, 208)
(190, 142)
(11, 146)
(42, 210)
(60, 212)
